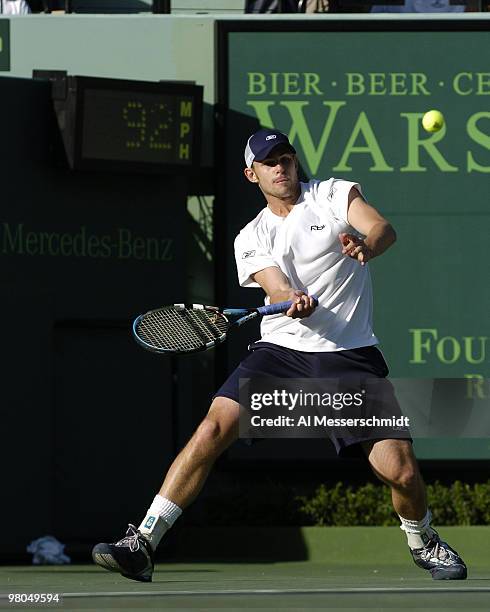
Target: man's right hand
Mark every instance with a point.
(277, 286)
(303, 305)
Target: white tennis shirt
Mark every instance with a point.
(305, 245)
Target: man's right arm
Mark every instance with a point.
(277, 286)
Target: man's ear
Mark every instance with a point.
(251, 176)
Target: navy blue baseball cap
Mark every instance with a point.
(260, 144)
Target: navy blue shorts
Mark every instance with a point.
(265, 359)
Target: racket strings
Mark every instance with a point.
(182, 329)
(212, 325)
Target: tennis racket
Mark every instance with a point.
(180, 329)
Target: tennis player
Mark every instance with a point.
(312, 238)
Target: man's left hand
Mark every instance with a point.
(355, 247)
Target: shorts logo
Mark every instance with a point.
(149, 522)
(316, 227)
(248, 254)
(271, 137)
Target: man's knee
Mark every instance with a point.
(220, 426)
(403, 477)
(395, 463)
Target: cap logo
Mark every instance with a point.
(271, 137)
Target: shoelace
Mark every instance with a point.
(131, 539)
(436, 550)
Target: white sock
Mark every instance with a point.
(161, 515)
(418, 532)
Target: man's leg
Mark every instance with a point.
(189, 471)
(132, 556)
(394, 462)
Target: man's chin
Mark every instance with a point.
(286, 190)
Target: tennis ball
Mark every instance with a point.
(433, 121)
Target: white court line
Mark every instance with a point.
(283, 591)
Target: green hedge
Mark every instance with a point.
(370, 505)
(271, 503)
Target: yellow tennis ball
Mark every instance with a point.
(433, 121)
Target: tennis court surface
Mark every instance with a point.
(346, 577)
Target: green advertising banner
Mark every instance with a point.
(352, 104)
(4, 45)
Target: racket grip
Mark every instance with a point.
(279, 307)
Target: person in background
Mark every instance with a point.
(286, 6)
(420, 6)
(316, 6)
(271, 6)
(14, 7)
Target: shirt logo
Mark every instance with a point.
(316, 227)
(248, 254)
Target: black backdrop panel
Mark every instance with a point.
(87, 414)
(112, 431)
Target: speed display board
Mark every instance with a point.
(128, 126)
(138, 127)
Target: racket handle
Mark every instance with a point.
(279, 307)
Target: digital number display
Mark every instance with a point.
(129, 126)
(120, 125)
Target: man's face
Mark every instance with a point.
(277, 175)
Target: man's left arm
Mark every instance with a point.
(379, 234)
